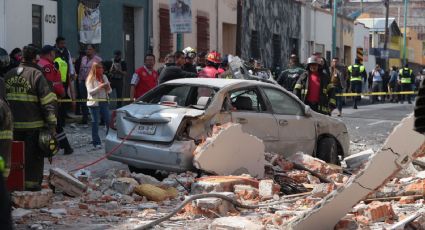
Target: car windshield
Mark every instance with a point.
(180, 95)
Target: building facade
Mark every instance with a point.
(125, 27)
(361, 46)
(270, 31)
(27, 21)
(213, 27)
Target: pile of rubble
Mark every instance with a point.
(298, 192)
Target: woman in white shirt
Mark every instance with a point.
(98, 88)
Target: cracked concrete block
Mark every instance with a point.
(322, 190)
(267, 189)
(30, 200)
(231, 152)
(20, 213)
(68, 184)
(216, 205)
(401, 146)
(246, 192)
(356, 160)
(124, 185)
(234, 223)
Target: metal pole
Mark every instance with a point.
(387, 7)
(404, 34)
(361, 6)
(179, 42)
(334, 18)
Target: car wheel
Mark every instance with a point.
(327, 150)
(150, 172)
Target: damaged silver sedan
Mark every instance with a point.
(163, 128)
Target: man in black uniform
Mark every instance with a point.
(33, 106)
(6, 136)
(289, 77)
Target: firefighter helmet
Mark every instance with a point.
(4, 58)
(189, 52)
(312, 60)
(48, 143)
(214, 57)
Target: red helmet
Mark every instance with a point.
(214, 57)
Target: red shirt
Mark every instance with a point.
(313, 95)
(144, 80)
(208, 72)
(52, 75)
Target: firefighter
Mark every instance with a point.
(213, 62)
(33, 106)
(189, 55)
(315, 89)
(52, 75)
(357, 73)
(6, 136)
(406, 80)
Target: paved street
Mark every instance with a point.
(370, 125)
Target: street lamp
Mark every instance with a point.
(406, 2)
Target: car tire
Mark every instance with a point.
(150, 172)
(327, 150)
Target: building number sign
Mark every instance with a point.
(50, 18)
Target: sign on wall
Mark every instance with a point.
(89, 24)
(180, 16)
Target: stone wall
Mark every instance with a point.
(268, 18)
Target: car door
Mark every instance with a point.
(249, 109)
(297, 132)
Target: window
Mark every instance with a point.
(255, 45)
(276, 50)
(247, 100)
(165, 36)
(37, 30)
(203, 33)
(282, 103)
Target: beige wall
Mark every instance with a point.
(414, 47)
(226, 14)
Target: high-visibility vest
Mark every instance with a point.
(63, 68)
(356, 71)
(405, 76)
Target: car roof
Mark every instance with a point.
(215, 82)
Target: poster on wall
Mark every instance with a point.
(180, 16)
(89, 24)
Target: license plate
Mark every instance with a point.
(146, 129)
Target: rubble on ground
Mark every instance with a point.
(280, 196)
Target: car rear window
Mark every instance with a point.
(186, 95)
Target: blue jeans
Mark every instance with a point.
(83, 95)
(96, 112)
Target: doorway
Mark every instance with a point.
(128, 27)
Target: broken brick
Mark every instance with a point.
(284, 164)
(30, 200)
(267, 188)
(299, 176)
(314, 164)
(68, 184)
(322, 190)
(246, 192)
(83, 206)
(212, 206)
(346, 224)
(417, 188)
(234, 223)
(406, 200)
(379, 211)
(221, 183)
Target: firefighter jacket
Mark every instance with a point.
(31, 100)
(327, 100)
(6, 133)
(406, 76)
(53, 76)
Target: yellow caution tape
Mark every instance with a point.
(375, 94)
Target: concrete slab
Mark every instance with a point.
(234, 223)
(66, 183)
(231, 152)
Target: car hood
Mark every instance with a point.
(163, 120)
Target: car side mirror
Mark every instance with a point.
(307, 111)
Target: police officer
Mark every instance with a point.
(6, 136)
(406, 80)
(315, 89)
(289, 77)
(357, 73)
(33, 106)
(52, 75)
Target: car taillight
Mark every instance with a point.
(113, 122)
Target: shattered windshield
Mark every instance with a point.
(180, 95)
